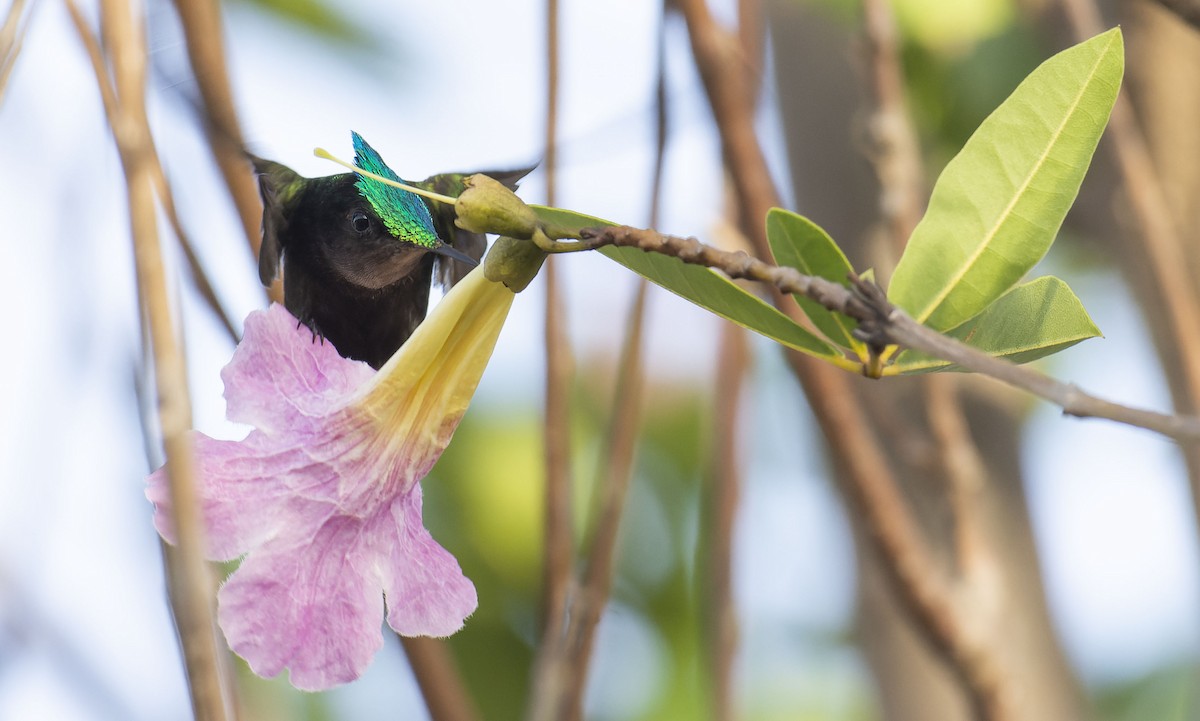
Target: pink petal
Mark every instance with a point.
(426, 591)
(281, 378)
(322, 498)
(248, 492)
(306, 607)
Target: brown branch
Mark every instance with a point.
(616, 464)
(961, 465)
(446, 696)
(108, 98)
(549, 680)
(91, 45)
(1186, 10)
(751, 31)
(190, 582)
(895, 153)
(721, 501)
(882, 324)
(201, 20)
(200, 278)
(906, 559)
(896, 158)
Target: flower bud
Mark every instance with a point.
(486, 206)
(513, 262)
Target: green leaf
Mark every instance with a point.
(707, 289)
(325, 20)
(999, 203)
(1030, 321)
(800, 243)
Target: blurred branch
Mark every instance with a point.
(723, 69)
(616, 463)
(201, 20)
(750, 34)
(959, 460)
(1160, 239)
(550, 668)
(12, 36)
(190, 581)
(446, 696)
(720, 618)
(616, 474)
(1186, 10)
(199, 277)
(162, 188)
(91, 45)
(896, 157)
(894, 154)
(549, 680)
(720, 504)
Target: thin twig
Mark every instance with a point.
(616, 464)
(620, 443)
(550, 667)
(883, 324)
(199, 277)
(721, 504)
(91, 45)
(724, 481)
(549, 682)
(201, 20)
(191, 583)
(162, 187)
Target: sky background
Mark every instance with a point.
(84, 629)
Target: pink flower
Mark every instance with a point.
(322, 498)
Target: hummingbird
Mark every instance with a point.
(360, 256)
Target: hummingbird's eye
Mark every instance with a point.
(361, 222)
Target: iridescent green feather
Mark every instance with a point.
(403, 213)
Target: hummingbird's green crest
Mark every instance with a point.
(403, 213)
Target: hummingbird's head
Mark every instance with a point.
(358, 229)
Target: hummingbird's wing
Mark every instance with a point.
(279, 186)
(473, 245)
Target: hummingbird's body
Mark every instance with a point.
(359, 256)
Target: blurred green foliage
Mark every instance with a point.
(321, 19)
(484, 501)
(1171, 693)
(950, 93)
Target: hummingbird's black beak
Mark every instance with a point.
(449, 251)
